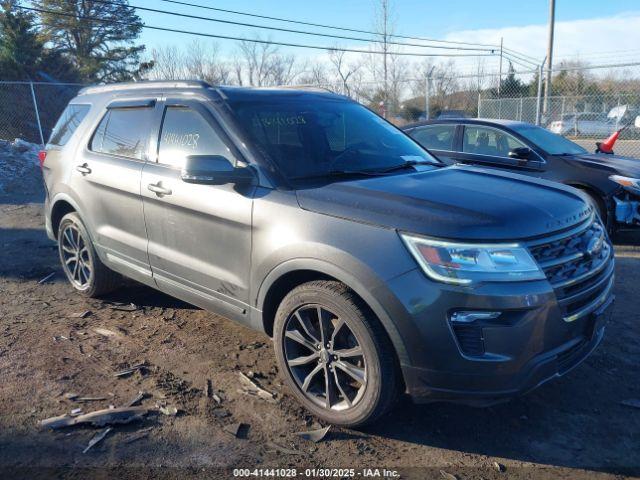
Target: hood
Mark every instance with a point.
(627, 166)
(462, 203)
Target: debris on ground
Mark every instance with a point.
(631, 402)
(314, 436)
(75, 412)
(84, 314)
(47, 278)
(208, 388)
(134, 437)
(238, 430)
(99, 418)
(124, 307)
(273, 446)
(137, 399)
(170, 411)
(447, 475)
(252, 388)
(97, 439)
(130, 370)
(499, 467)
(105, 332)
(71, 396)
(89, 399)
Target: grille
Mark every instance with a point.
(579, 266)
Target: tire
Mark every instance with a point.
(89, 276)
(353, 403)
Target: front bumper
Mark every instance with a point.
(627, 210)
(529, 344)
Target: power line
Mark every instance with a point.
(346, 29)
(301, 32)
(254, 40)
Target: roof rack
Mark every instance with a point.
(314, 88)
(144, 84)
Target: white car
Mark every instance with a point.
(584, 125)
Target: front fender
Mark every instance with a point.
(358, 276)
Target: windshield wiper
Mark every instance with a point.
(366, 172)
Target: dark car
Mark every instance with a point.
(375, 268)
(612, 183)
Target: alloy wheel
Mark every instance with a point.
(76, 260)
(325, 358)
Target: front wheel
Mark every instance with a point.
(334, 354)
(80, 262)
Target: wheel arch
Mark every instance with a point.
(290, 274)
(61, 206)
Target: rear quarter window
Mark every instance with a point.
(68, 122)
(123, 132)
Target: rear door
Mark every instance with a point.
(439, 139)
(106, 179)
(489, 146)
(199, 235)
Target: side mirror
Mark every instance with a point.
(637, 122)
(520, 153)
(214, 170)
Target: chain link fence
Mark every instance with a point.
(585, 103)
(29, 110)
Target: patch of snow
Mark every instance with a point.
(19, 166)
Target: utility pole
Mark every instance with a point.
(547, 85)
(500, 72)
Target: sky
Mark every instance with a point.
(594, 30)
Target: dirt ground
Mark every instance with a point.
(574, 427)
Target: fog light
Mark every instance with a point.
(467, 328)
(468, 317)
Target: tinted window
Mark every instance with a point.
(67, 124)
(307, 136)
(548, 141)
(488, 141)
(123, 132)
(435, 137)
(186, 132)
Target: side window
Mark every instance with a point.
(185, 132)
(123, 132)
(488, 141)
(67, 124)
(435, 137)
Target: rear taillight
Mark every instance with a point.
(42, 156)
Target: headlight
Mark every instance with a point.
(466, 263)
(630, 184)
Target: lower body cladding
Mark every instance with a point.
(485, 344)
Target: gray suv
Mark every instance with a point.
(376, 269)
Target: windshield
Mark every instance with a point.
(550, 142)
(310, 137)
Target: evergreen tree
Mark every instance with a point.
(97, 37)
(23, 55)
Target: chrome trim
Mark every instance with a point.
(587, 291)
(587, 275)
(583, 225)
(593, 305)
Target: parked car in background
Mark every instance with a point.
(584, 125)
(374, 267)
(452, 114)
(611, 183)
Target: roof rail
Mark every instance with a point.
(110, 87)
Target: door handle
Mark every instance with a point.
(83, 169)
(158, 189)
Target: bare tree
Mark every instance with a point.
(344, 70)
(262, 64)
(198, 60)
(167, 63)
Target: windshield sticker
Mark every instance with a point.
(280, 120)
(187, 140)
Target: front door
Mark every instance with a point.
(490, 147)
(199, 235)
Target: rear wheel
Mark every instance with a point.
(80, 262)
(334, 354)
